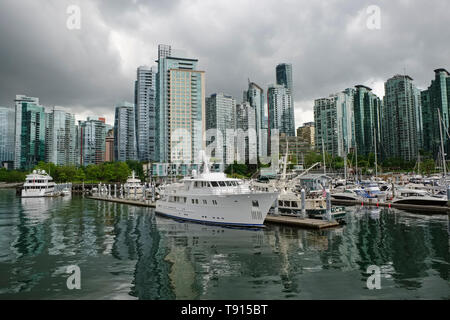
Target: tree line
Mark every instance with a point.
(93, 173)
(366, 164)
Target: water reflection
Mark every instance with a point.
(128, 252)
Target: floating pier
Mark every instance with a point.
(301, 222)
(410, 207)
(143, 203)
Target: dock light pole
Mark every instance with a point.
(303, 203)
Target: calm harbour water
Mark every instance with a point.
(126, 252)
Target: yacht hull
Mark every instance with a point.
(422, 202)
(240, 210)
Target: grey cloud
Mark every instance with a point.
(327, 42)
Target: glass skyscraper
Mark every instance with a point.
(20, 101)
(246, 133)
(32, 137)
(60, 141)
(254, 95)
(334, 123)
(180, 108)
(145, 102)
(281, 112)
(124, 132)
(92, 141)
(284, 75)
(221, 116)
(400, 123)
(367, 107)
(6, 134)
(436, 97)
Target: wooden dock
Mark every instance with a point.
(409, 207)
(299, 222)
(142, 203)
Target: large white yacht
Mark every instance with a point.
(211, 197)
(39, 184)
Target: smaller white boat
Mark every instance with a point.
(133, 185)
(66, 192)
(418, 197)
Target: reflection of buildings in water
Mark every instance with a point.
(401, 243)
(34, 212)
(199, 255)
(125, 226)
(151, 276)
(295, 247)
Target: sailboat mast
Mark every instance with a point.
(356, 153)
(323, 153)
(375, 143)
(345, 168)
(442, 144)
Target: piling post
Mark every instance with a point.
(448, 195)
(328, 200)
(275, 210)
(303, 203)
(153, 186)
(115, 190)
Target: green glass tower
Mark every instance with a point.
(32, 137)
(367, 108)
(401, 118)
(435, 98)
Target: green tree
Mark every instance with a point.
(428, 166)
(122, 171)
(92, 172)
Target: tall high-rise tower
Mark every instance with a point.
(124, 132)
(400, 123)
(436, 97)
(180, 108)
(255, 97)
(145, 113)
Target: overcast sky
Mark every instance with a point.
(329, 44)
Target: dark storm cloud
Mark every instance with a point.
(327, 42)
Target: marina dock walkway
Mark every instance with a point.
(143, 203)
(410, 207)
